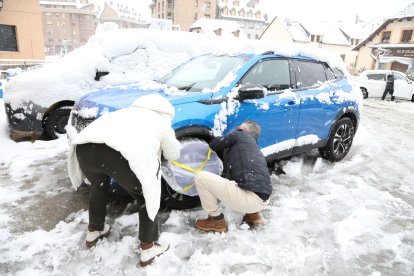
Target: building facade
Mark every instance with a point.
(390, 46)
(246, 13)
(21, 35)
(67, 24)
(184, 13)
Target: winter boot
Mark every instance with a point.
(92, 237)
(253, 219)
(215, 224)
(150, 251)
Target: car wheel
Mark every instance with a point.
(173, 200)
(340, 140)
(56, 122)
(412, 98)
(364, 92)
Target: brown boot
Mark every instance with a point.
(253, 219)
(212, 224)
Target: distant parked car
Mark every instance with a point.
(300, 103)
(38, 102)
(372, 84)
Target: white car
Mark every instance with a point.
(372, 84)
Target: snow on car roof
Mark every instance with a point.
(131, 55)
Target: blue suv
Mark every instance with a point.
(300, 103)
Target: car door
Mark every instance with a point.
(402, 87)
(277, 113)
(375, 84)
(319, 103)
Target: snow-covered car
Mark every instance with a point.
(39, 101)
(298, 100)
(372, 84)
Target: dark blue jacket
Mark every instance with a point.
(244, 162)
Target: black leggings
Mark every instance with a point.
(100, 163)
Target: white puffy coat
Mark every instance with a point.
(140, 133)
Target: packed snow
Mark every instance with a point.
(354, 217)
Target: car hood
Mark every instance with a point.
(114, 98)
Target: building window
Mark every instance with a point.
(207, 5)
(207, 16)
(315, 38)
(406, 36)
(196, 16)
(386, 37)
(8, 39)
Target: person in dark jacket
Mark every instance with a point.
(389, 87)
(246, 187)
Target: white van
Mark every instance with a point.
(372, 84)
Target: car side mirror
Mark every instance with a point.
(252, 91)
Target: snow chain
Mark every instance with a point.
(188, 168)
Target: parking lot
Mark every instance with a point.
(354, 217)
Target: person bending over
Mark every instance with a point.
(126, 146)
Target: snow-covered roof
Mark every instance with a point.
(406, 13)
(360, 30)
(330, 33)
(209, 26)
(296, 30)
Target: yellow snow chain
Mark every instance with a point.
(188, 168)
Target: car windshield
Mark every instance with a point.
(203, 72)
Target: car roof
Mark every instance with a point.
(381, 72)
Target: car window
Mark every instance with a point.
(330, 75)
(399, 77)
(338, 73)
(379, 77)
(271, 73)
(309, 74)
(204, 72)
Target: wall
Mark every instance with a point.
(26, 16)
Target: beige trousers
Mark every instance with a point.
(212, 188)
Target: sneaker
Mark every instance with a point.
(92, 237)
(211, 224)
(253, 219)
(148, 255)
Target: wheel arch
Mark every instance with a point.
(348, 112)
(55, 106)
(201, 132)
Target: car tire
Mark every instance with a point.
(171, 199)
(340, 140)
(56, 122)
(412, 98)
(364, 92)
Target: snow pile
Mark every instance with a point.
(130, 55)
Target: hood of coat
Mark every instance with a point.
(155, 102)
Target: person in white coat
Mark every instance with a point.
(126, 145)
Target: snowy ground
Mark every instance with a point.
(355, 217)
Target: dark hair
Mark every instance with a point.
(253, 127)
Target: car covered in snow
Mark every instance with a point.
(372, 84)
(301, 102)
(38, 102)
